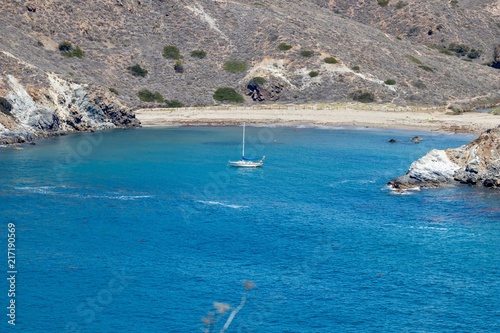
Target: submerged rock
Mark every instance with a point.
(416, 139)
(476, 163)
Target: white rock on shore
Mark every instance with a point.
(476, 163)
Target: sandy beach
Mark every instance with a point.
(376, 116)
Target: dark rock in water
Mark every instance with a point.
(476, 163)
(416, 139)
(393, 140)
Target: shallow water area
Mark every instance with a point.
(142, 230)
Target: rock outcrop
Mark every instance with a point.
(39, 104)
(476, 163)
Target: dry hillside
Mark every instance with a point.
(383, 50)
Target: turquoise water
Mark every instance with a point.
(142, 230)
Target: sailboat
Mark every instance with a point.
(247, 162)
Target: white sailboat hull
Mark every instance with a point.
(246, 164)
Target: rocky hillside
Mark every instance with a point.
(39, 104)
(476, 163)
(156, 52)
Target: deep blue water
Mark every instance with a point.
(142, 230)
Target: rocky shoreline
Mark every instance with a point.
(476, 163)
(58, 107)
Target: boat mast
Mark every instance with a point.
(243, 150)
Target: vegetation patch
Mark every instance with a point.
(330, 60)
(257, 81)
(474, 54)
(363, 96)
(200, 54)
(441, 49)
(401, 4)
(284, 47)
(390, 82)
(227, 94)
(313, 73)
(307, 53)
(5, 106)
(173, 104)
(419, 84)
(415, 60)
(459, 50)
(179, 67)
(148, 96)
(171, 52)
(235, 66)
(355, 68)
(137, 70)
(495, 111)
(426, 68)
(65, 46)
(114, 91)
(383, 3)
(69, 51)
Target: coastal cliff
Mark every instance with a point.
(39, 104)
(476, 163)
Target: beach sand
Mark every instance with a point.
(358, 115)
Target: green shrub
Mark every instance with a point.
(77, 52)
(5, 106)
(114, 91)
(401, 4)
(426, 68)
(330, 60)
(495, 111)
(148, 96)
(199, 54)
(65, 46)
(137, 70)
(307, 54)
(179, 67)
(390, 82)
(313, 73)
(235, 66)
(474, 54)
(441, 49)
(173, 104)
(356, 68)
(363, 96)
(419, 84)
(67, 50)
(459, 49)
(171, 52)
(383, 3)
(257, 81)
(415, 60)
(227, 94)
(284, 47)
